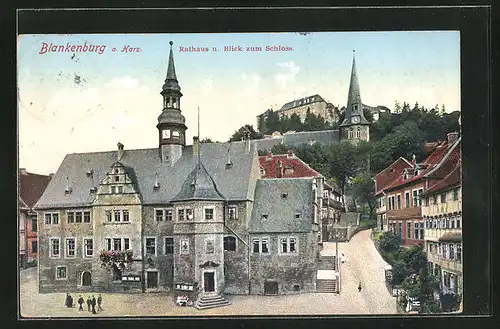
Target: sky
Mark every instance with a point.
(75, 101)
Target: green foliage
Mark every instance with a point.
(421, 286)
(364, 190)
(272, 122)
(449, 302)
(240, 133)
(206, 140)
(389, 241)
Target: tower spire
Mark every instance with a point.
(171, 67)
(354, 97)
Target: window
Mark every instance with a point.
(34, 222)
(54, 247)
(209, 246)
(184, 246)
(78, 217)
(443, 197)
(34, 246)
(407, 199)
(108, 215)
(452, 250)
(229, 243)
(416, 233)
(209, 213)
(151, 246)
(117, 244)
(408, 230)
(71, 217)
(86, 217)
(61, 273)
(108, 244)
(189, 214)
(168, 214)
(400, 230)
(434, 199)
(399, 201)
(459, 252)
(443, 247)
(288, 245)
(458, 222)
(455, 194)
(447, 222)
(427, 201)
(119, 189)
(434, 223)
(391, 202)
(180, 214)
(421, 230)
(70, 247)
(415, 198)
(126, 244)
(117, 215)
(88, 246)
(52, 218)
(358, 133)
(452, 222)
(159, 215)
(126, 216)
(113, 189)
(419, 198)
(169, 246)
(232, 212)
(298, 215)
(261, 245)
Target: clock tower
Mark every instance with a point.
(171, 123)
(355, 127)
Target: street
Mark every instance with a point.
(363, 264)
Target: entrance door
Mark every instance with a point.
(152, 279)
(270, 288)
(208, 279)
(86, 279)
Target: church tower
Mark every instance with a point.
(355, 127)
(171, 123)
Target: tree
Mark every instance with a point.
(240, 133)
(364, 190)
(421, 286)
(206, 140)
(343, 162)
(389, 241)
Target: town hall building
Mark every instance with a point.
(197, 219)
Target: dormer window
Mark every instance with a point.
(284, 195)
(262, 172)
(289, 170)
(298, 215)
(116, 171)
(265, 216)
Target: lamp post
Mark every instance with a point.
(337, 263)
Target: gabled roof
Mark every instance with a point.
(452, 178)
(281, 211)
(270, 163)
(199, 185)
(301, 102)
(23, 205)
(431, 164)
(31, 187)
(390, 174)
(233, 182)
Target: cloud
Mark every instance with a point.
(123, 83)
(285, 79)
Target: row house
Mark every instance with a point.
(402, 197)
(196, 219)
(442, 213)
(31, 187)
(290, 166)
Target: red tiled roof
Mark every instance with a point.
(22, 204)
(449, 181)
(31, 187)
(431, 162)
(270, 163)
(387, 176)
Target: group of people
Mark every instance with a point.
(91, 303)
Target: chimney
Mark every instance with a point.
(279, 170)
(196, 145)
(452, 137)
(22, 171)
(120, 152)
(290, 154)
(51, 175)
(413, 160)
(247, 142)
(269, 155)
(229, 162)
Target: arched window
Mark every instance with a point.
(350, 134)
(229, 243)
(358, 133)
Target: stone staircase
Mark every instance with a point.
(210, 301)
(327, 263)
(326, 285)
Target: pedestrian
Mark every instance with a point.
(81, 301)
(99, 302)
(93, 305)
(342, 258)
(359, 286)
(70, 301)
(89, 303)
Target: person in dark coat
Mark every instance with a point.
(93, 303)
(99, 302)
(70, 301)
(359, 286)
(89, 303)
(81, 301)
(67, 303)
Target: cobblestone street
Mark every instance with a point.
(363, 264)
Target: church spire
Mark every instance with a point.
(354, 110)
(171, 84)
(171, 67)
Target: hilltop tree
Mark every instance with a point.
(240, 133)
(364, 190)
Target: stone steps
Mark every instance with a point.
(327, 263)
(326, 286)
(206, 302)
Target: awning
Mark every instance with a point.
(452, 237)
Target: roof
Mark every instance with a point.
(171, 83)
(281, 211)
(31, 187)
(451, 237)
(235, 183)
(298, 138)
(22, 204)
(430, 165)
(301, 102)
(270, 163)
(354, 103)
(198, 185)
(451, 180)
(389, 175)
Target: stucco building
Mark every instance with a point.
(197, 219)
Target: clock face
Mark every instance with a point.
(175, 134)
(355, 119)
(165, 133)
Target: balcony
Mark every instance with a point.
(446, 264)
(434, 234)
(442, 208)
(404, 213)
(380, 210)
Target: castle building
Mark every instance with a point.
(355, 127)
(194, 219)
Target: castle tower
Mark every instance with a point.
(171, 123)
(355, 127)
